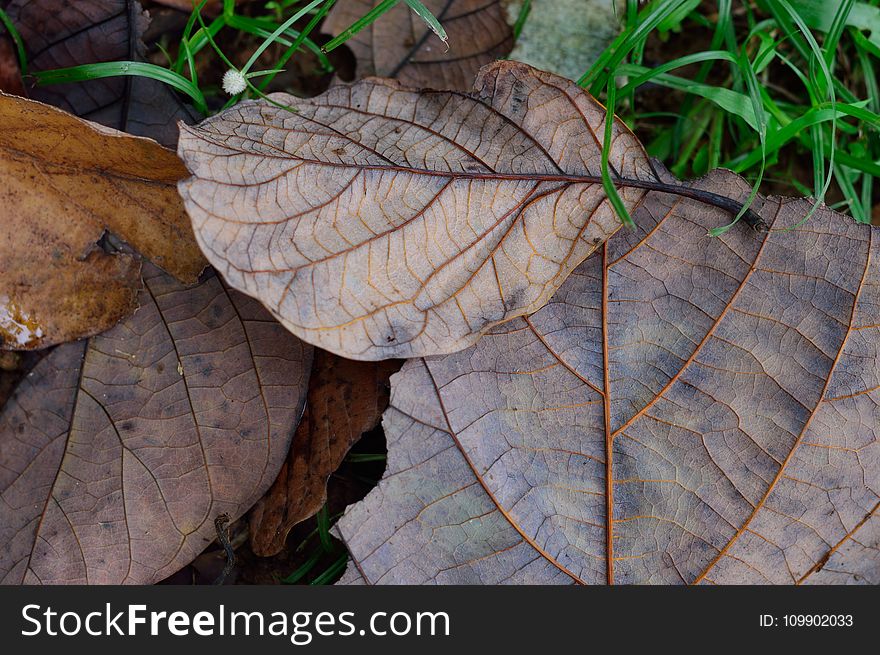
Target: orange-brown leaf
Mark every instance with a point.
(63, 183)
(10, 72)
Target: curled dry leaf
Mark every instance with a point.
(346, 399)
(376, 221)
(59, 35)
(685, 410)
(117, 453)
(63, 182)
(400, 45)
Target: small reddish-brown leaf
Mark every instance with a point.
(63, 182)
(58, 35)
(10, 72)
(400, 45)
(686, 409)
(377, 221)
(346, 399)
(117, 453)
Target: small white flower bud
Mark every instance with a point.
(234, 82)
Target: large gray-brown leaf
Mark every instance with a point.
(685, 410)
(400, 45)
(58, 35)
(377, 221)
(117, 453)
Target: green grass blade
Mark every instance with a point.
(277, 33)
(301, 571)
(86, 72)
(732, 102)
(367, 19)
(607, 183)
(16, 39)
(317, 18)
(425, 14)
(524, 11)
(332, 571)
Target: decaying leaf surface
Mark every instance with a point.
(346, 399)
(376, 221)
(117, 453)
(685, 410)
(59, 35)
(63, 182)
(400, 45)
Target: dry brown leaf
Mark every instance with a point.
(10, 71)
(58, 35)
(63, 182)
(346, 399)
(400, 45)
(686, 409)
(117, 453)
(376, 221)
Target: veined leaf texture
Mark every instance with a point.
(118, 453)
(685, 409)
(377, 221)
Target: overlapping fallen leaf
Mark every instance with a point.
(346, 399)
(377, 221)
(400, 44)
(59, 35)
(10, 71)
(685, 410)
(117, 454)
(63, 182)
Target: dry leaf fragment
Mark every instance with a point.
(346, 399)
(63, 182)
(376, 221)
(400, 45)
(113, 466)
(10, 71)
(685, 410)
(59, 35)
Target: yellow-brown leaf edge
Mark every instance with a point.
(64, 181)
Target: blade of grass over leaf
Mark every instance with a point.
(608, 183)
(654, 14)
(425, 14)
(368, 18)
(123, 68)
(317, 18)
(277, 33)
(16, 39)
